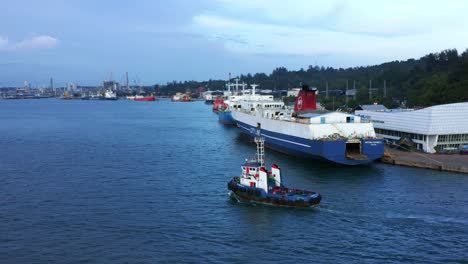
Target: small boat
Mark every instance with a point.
(209, 98)
(110, 95)
(95, 97)
(180, 97)
(67, 96)
(145, 98)
(257, 185)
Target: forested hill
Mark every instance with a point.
(437, 78)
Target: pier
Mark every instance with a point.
(441, 162)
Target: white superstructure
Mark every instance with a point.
(432, 129)
(234, 101)
(314, 126)
(110, 95)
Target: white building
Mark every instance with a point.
(432, 129)
(293, 92)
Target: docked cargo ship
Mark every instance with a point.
(257, 185)
(310, 133)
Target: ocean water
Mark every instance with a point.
(143, 182)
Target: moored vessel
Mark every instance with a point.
(225, 117)
(217, 103)
(145, 98)
(181, 97)
(210, 96)
(67, 96)
(310, 133)
(109, 95)
(257, 185)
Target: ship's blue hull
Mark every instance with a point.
(226, 118)
(328, 150)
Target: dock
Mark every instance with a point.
(441, 162)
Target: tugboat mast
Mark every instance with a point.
(260, 141)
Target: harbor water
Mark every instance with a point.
(145, 182)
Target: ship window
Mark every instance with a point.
(350, 119)
(322, 120)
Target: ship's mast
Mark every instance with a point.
(260, 141)
(254, 86)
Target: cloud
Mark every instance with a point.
(215, 22)
(33, 43)
(3, 43)
(366, 30)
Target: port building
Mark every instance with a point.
(432, 129)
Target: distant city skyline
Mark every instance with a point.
(86, 41)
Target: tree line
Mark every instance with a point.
(437, 78)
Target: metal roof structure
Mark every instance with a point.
(435, 120)
(373, 107)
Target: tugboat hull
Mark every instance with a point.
(284, 197)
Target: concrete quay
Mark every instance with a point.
(441, 162)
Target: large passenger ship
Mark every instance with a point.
(310, 133)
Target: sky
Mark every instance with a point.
(158, 41)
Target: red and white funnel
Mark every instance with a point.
(306, 99)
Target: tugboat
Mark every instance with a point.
(257, 185)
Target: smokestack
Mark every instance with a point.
(306, 99)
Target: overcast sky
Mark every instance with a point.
(87, 41)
